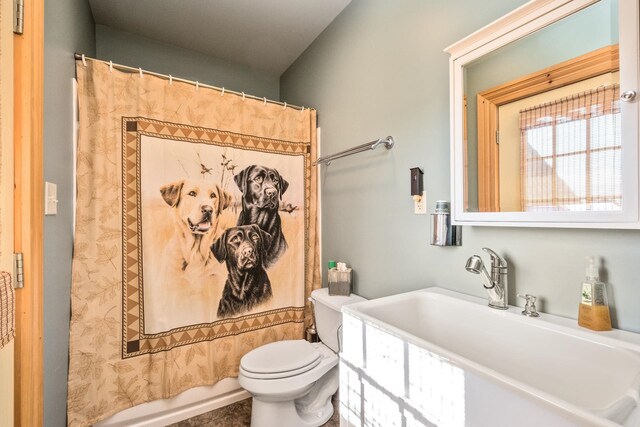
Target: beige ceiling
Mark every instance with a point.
(267, 35)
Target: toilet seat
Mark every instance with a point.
(289, 386)
(279, 375)
(280, 359)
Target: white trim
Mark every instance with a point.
(76, 129)
(319, 200)
(521, 22)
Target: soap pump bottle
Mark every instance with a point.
(594, 306)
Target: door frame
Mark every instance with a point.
(29, 213)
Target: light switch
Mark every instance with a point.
(50, 198)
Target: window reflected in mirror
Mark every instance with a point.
(542, 119)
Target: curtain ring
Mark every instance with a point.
(111, 66)
(197, 85)
(170, 79)
(242, 96)
(140, 71)
(222, 93)
(285, 106)
(264, 101)
(84, 60)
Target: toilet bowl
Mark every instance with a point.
(292, 381)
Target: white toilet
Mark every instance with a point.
(292, 381)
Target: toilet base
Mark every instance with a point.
(312, 409)
(284, 414)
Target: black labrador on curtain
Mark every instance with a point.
(243, 248)
(262, 189)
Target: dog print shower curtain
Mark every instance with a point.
(195, 236)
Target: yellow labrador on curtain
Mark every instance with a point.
(179, 282)
(196, 208)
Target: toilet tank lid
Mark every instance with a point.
(334, 301)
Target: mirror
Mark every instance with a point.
(540, 133)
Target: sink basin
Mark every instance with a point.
(549, 359)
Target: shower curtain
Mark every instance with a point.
(195, 236)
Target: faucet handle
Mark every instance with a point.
(496, 260)
(530, 305)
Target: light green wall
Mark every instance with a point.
(589, 29)
(68, 28)
(136, 51)
(379, 70)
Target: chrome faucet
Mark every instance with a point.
(496, 284)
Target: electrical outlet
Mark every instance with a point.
(420, 206)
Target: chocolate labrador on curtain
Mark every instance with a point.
(262, 189)
(243, 249)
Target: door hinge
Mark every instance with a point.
(18, 16)
(498, 137)
(18, 272)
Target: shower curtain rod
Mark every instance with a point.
(388, 143)
(81, 57)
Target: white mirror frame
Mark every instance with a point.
(523, 21)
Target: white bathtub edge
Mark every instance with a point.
(196, 409)
(190, 403)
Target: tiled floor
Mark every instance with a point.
(239, 415)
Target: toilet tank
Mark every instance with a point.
(328, 315)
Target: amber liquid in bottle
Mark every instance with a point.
(594, 308)
(594, 317)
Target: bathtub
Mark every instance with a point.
(187, 404)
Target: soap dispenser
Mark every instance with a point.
(594, 306)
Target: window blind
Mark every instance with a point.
(571, 153)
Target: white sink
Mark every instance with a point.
(549, 360)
